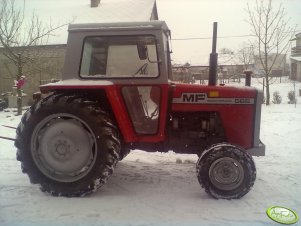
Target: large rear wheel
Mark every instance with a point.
(68, 145)
(226, 171)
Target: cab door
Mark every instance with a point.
(143, 107)
(146, 106)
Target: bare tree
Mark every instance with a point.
(18, 34)
(246, 55)
(227, 56)
(272, 31)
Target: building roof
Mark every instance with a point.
(80, 11)
(114, 11)
(297, 58)
(298, 36)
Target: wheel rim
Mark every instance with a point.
(226, 173)
(63, 147)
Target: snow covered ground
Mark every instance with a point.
(162, 189)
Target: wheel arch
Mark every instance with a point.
(100, 96)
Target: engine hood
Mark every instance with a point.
(193, 93)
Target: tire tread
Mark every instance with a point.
(102, 120)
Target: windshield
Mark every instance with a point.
(119, 57)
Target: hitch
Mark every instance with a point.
(11, 127)
(8, 138)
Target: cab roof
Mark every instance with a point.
(144, 25)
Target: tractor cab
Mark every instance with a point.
(130, 58)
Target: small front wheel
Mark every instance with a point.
(226, 171)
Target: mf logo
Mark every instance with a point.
(193, 97)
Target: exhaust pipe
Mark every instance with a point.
(213, 58)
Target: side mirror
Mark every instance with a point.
(142, 50)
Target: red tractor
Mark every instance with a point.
(116, 95)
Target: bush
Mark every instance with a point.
(277, 98)
(291, 97)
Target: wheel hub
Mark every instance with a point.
(226, 173)
(63, 147)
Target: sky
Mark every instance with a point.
(186, 19)
(194, 18)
